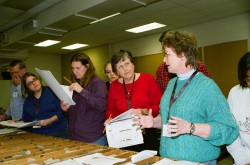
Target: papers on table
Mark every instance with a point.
(19, 124)
(56, 87)
(93, 159)
(143, 155)
(5, 130)
(122, 131)
(174, 162)
(68, 162)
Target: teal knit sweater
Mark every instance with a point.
(201, 102)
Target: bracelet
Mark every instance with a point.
(192, 128)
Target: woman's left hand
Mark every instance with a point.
(178, 126)
(45, 122)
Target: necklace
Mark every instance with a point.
(128, 93)
(131, 87)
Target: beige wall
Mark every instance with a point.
(50, 62)
(42, 61)
(98, 55)
(221, 62)
(5, 93)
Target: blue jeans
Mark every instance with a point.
(212, 162)
(102, 141)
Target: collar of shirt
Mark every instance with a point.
(186, 75)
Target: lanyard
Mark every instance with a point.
(36, 106)
(173, 98)
(128, 97)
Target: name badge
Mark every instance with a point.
(15, 94)
(36, 126)
(165, 131)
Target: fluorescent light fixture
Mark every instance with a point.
(85, 16)
(47, 43)
(146, 27)
(52, 34)
(74, 46)
(55, 29)
(105, 18)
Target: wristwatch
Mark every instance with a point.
(192, 128)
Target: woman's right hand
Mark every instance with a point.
(107, 121)
(145, 121)
(64, 106)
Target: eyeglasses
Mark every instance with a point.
(31, 82)
(122, 67)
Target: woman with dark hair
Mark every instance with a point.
(112, 76)
(90, 95)
(42, 104)
(239, 103)
(139, 91)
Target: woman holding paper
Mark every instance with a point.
(139, 91)
(41, 104)
(90, 95)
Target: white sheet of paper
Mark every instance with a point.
(172, 162)
(125, 115)
(55, 86)
(122, 131)
(97, 159)
(68, 162)
(143, 155)
(19, 124)
(67, 91)
(7, 130)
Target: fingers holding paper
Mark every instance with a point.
(64, 106)
(140, 111)
(145, 121)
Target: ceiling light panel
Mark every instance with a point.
(147, 27)
(74, 46)
(47, 43)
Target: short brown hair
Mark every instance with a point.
(182, 42)
(121, 55)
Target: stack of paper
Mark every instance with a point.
(93, 159)
(122, 131)
(19, 124)
(5, 131)
(174, 162)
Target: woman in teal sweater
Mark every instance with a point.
(194, 115)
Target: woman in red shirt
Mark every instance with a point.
(139, 91)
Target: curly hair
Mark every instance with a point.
(181, 42)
